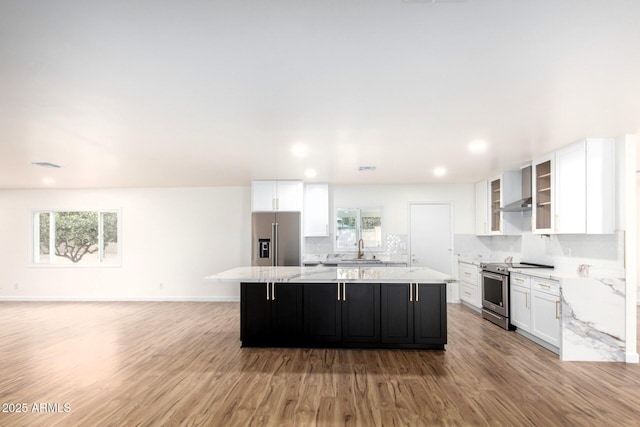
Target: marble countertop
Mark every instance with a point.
(322, 274)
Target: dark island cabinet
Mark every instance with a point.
(397, 313)
(342, 313)
(352, 314)
(361, 313)
(271, 313)
(414, 314)
(323, 312)
(430, 313)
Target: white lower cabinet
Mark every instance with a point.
(469, 275)
(535, 307)
(520, 297)
(545, 311)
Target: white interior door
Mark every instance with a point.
(431, 236)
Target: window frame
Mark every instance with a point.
(359, 210)
(35, 239)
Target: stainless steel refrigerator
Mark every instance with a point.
(275, 238)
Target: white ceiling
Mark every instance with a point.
(197, 93)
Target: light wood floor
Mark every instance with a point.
(126, 364)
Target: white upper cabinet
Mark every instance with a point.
(504, 189)
(601, 176)
(277, 196)
(574, 189)
(482, 208)
(316, 210)
(542, 183)
(570, 190)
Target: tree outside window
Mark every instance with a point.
(76, 237)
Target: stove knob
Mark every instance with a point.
(500, 269)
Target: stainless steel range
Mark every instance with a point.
(495, 290)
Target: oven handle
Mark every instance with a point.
(493, 276)
(493, 314)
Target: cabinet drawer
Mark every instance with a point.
(468, 293)
(545, 285)
(468, 273)
(520, 280)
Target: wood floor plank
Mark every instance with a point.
(121, 364)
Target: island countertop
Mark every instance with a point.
(332, 275)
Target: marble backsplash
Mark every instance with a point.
(395, 248)
(603, 253)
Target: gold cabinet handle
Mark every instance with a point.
(417, 293)
(344, 291)
(544, 286)
(273, 291)
(268, 297)
(338, 291)
(557, 309)
(410, 292)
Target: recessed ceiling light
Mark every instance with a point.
(367, 168)
(310, 173)
(299, 150)
(440, 171)
(46, 164)
(48, 181)
(477, 146)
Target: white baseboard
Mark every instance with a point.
(631, 358)
(118, 299)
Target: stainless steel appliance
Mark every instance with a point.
(276, 238)
(495, 290)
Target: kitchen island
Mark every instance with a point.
(356, 307)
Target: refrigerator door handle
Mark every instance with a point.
(275, 240)
(272, 254)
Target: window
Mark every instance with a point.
(76, 238)
(353, 224)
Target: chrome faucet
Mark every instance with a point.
(360, 249)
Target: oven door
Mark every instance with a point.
(495, 293)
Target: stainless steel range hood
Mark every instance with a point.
(523, 204)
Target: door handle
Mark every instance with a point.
(417, 293)
(344, 291)
(273, 291)
(338, 291)
(410, 292)
(268, 297)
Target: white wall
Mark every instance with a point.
(170, 236)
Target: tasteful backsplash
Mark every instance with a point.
(395, 248)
